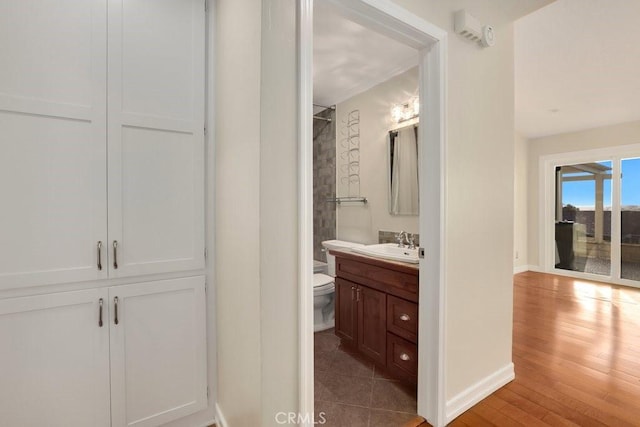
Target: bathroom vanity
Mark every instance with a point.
(377, 311)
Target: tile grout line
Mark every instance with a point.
(373, 378)
(370, 402)
(373, 374)
(343, 403)
(336, 360)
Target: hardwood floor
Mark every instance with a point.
(576, 350)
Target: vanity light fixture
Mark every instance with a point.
(406, 111)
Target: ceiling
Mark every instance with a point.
(349, 58)
(577, 66)
(577, 63)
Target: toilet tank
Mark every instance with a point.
(319, 267)
(336, 244)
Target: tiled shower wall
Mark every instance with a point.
(324, 181)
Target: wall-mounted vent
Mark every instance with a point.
(467, 26)
(470, 28)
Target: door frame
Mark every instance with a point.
(396, 22)
(546, 217)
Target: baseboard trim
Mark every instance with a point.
(220, 420)
(478, 391)
(521, 269)
(536, 268)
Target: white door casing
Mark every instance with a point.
(389, 19)
(156, 136)
(52, 128)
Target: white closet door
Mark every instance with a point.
(54, 356)
(156, 136)
(53, 134)
(158, 351)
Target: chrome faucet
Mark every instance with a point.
(406, 240)
(411, 238)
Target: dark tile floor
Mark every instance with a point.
(352, 392)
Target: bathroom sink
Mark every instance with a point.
(389, 251)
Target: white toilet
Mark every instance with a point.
(324, 286)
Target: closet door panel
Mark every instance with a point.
(158, 351)
(53, 133)
(158, 55)
(55, 360)
(47, 49)
(158, 205)
(156, 136)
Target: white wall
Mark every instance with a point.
(607, 136)
(256, 208)
(279, 211)
(480, 190)
(250, 35)
(357, 222)
(520, 211)
(237, 192)
(479, 208)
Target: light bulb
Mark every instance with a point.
(396, 113)
(406, 111)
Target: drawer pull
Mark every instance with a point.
(115, 254)
(99, 256)
(405, 317)
(100, 302)
(405, 357)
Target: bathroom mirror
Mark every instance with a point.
(403, 171)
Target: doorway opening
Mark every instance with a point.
(592, 214)
(388, 19)
(583, 217)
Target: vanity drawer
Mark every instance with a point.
(402, 357)
(402, 318)
(394, 282)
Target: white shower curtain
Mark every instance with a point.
(404, 174)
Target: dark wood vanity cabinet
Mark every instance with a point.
(346, 311)
(377, 311)
(360, 319)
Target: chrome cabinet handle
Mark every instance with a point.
(357, 294)
(115, 254)
(99, 255)
(405, 317)
(404, 356)
(100, 303)
(353, 289)
(115, 311)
